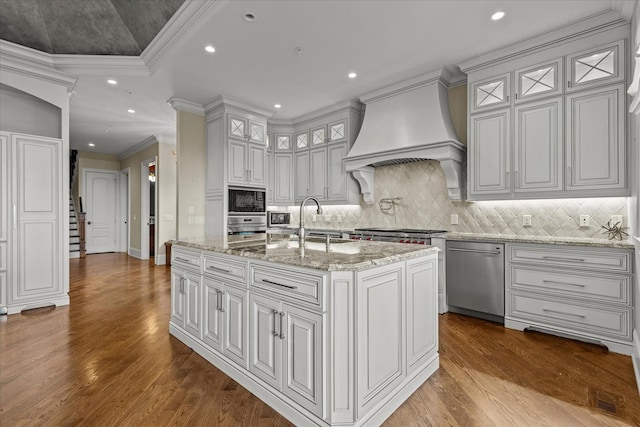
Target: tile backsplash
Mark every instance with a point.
(422, 189)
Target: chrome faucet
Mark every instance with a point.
(301, 234)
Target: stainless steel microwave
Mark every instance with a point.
(278, 219)
(243, 201)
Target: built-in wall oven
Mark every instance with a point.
(247, 211)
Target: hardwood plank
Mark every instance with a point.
(108, 359)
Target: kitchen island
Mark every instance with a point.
(337, 334)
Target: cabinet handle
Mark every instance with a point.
(279, 284)
(249, 171)
(222, 270)
(553, 282)
(557, 258)
(507, 98)
(182, 285)
(221, 301)
(182, 260)
(275, 332)
(217, 299)
(547, 310)
(569, 83)
(281, 331)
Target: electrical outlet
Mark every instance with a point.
(616, 219)
(454, 219)
(338, 218)
(314, 218)
(526, 220)
(327, 218)
(585, 220)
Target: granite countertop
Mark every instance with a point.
(569, 241)
(343, 255)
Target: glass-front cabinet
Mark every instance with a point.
(491, 93)
(538, 81)
(594, 67)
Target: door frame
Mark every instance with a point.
(124, 209)
(83, 192)
(145, 208)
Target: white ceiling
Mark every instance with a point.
(383, 41)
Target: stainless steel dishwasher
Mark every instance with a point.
(475, 279)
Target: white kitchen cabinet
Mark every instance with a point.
(337, 176)
(269, 175)
(302, 179)
(282, 142)
(4, 213)
(283, 178)
(489, 154)
(581, 292)
(596, 146)
(539, 81)
(225, 317)
(36, 244)
(185, 305)
(302, 140)
(246, 129)
(332, 132)
(286, 350)
(247, 163)
(318, 173)
(177, 297)
(596, 66)
(538, 146)
(490, 93)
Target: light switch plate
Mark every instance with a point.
(526, 220)
(585, 220)
(454, 219)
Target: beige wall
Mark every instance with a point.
(458, 109)
(191, 175)
(89, 160)
(166, 224)
(133, 163)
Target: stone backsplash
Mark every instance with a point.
(423, 204)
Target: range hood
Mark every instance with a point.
(407, 122)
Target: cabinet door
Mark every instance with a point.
(597, 66)
(257, 169)
(4, 188)
(177, 297)
(539, 149)
(236, 328)
(490, 93)
(237, 162)
(269, 174)
(542, 80)
(337, 131)
(318, 136)
(193, 305)
(380, 339)
(302, 380)
(257, 132)
(422, 326)
(211, 315)
(301, 185)
(302, 140)
(489, 155)
(318, 173)
(237, 127)
(265, 359)
(37, 244)
(596, 139)
(283, 142)
(283, 175)
(336, 175)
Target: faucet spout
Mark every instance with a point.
(301, 233)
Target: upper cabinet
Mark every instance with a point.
(332, 132)
(247, 152)
(550, 123)
(247, 129)
(490, 93)
(597, 66)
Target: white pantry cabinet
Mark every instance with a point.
(32, 226)
(247, 151)
(283, 178)
(324, 347)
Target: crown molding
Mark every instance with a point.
(142, 145)
(225, 101)
(184, 105)
(101, 64)
(624, 7)
(185, 22)
(33, 63)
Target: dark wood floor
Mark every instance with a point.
(108, 360)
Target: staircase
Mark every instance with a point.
(74, 233)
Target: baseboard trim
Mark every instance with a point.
(161, 259)
(53, 302)
(136, 253)
(635, 357)
(74, 255)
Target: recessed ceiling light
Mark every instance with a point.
(131, 110)
(210, 48)
(249, 17)
(497, 15)
(107, 130)
(91, 144)
(277, 105)
(112, 82)
(352, 75)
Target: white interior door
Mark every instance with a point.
(101, 208)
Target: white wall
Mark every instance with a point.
(24, 113)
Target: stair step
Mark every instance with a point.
(74, 239)
(74, 247)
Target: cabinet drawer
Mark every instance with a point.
(301, 285)
(227, 267)
(570, 256)
(185, 258)
(601, 322)
(3, 256)
(615, 289)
